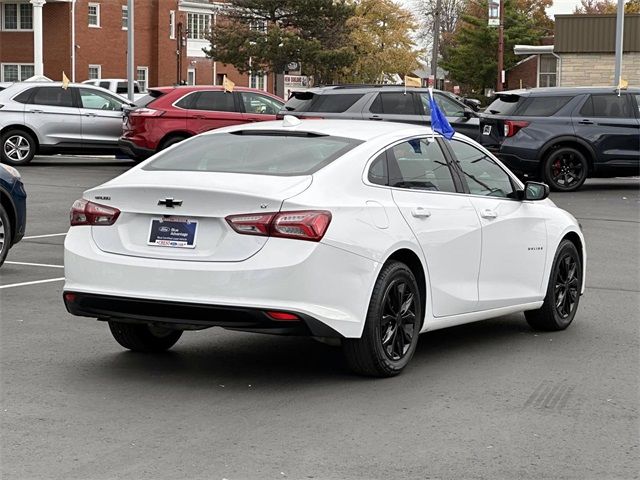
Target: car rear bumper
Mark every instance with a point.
(132, 150)
(319, 283)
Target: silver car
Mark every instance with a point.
(45, 118)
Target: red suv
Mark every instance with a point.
(168, 115)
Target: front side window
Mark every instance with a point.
(449, 107)
(260, 104)
(17, 16)
(483, 175)
(198, 25)
(608, 105)
(52, 96)
(420, 165)
(95, 100)
(216, 101)
(394, 103)
(255, 153)
(16, 72)
(94, 14)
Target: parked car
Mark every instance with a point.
(13, 209)
(565, 135)
(390, 103)
(44, 118)
(366, 232)
(118, 86)
(168, 115)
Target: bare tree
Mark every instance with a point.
(425, 14)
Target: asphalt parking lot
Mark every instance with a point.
(491, 400)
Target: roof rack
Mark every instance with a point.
(362, 85)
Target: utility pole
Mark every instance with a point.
(130, 49)
(500, 47)
(619, 39)
(436, 41)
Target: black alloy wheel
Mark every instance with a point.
(392, 326)
(565, 169)
(563, 291)
(398, 322)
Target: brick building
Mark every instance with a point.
(88, 39)
(582, 53)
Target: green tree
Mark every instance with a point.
(606, 6)
(265, 35)
(473, 57)
(381, 38)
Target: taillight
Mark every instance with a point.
(511, 127)
(303, 225)
(84, 212)
(146, 112)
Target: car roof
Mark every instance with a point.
(364, 130)
(346, 89)
(564, 90)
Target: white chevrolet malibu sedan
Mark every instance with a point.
(366, 232)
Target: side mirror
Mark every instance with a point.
(468, 113)
(535, 191)
(473, 103)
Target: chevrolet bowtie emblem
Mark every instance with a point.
(170, 202)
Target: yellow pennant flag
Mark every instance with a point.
(65, 81)
(412, 82)
(623, 84)
(228, 84)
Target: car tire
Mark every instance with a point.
(395, 307)
(563, 291)
(171, 141)
(144, 338)
(17, 147)
(5, 234)
(565, 169)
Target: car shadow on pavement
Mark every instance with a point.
(243, 358)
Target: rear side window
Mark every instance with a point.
(394, 103)
(378, 170)
(24, 96)
(214, 101)
(330, 103)
(52, 96)
(505, 104)
(543, 106)
(612, 106)
(254, 152)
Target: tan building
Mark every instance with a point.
(88, 39)
(582, 54)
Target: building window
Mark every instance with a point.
(95, 72)
(191, 76)
(125, 17)
(198, 25)
(172, 24)
(16, 72)
(94, 15)
(258, 80)
(548, 66)
(17, 16)
(143, 76)
(258, 26)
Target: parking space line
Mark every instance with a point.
(29, 264)
(23, 284)
(44, 236)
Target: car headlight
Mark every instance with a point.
(11, 170)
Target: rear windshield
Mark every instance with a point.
(254, 152)
(150, 97)
(330, 103)
(504, 104)
(123, 87)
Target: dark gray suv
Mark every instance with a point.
(565, 135)
(389, 103)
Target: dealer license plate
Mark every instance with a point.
(176, 232)
(486, 130)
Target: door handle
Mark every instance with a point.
(198, 116)
(420, 212)
(488, 213)
(35, 111)
(254, 119)
(585, 122)
(375, 117)
(89, 114)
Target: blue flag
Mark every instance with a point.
(439, 122)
